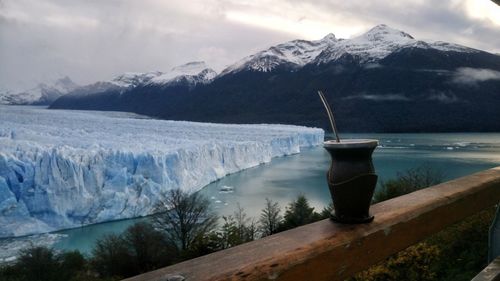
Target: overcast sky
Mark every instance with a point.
(89, 40)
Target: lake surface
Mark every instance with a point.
(283, 179)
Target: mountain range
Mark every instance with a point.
(384, 80)
(42, 94)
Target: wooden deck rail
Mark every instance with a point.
(329, 251)
(490, 273)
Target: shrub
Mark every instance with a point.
(413, 264)
(407, 182)
(457, 253)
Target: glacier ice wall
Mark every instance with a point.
(63, 169)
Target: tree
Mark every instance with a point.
(148, 248)
(237, 229)
(71, 263)
(327, 211)
(246, 227)
(112, 258)
(184, 218)
(407, 182)
(38, 263)
(299, 212)
(140, 248)
(42, 263)
(270, 218)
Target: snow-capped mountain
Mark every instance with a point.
(41, 94)
(134, 79)
(374, 45)
(139, 92)
(189, 75)
(378, 43)
(192, 73)
(4, 96)
(384, 80)
(293, 54)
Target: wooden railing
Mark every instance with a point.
(490, 273)
(330, 251)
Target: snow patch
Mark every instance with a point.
(192, 73)
(295, 53)
(41, 94)
(368, 49)
(378, 43)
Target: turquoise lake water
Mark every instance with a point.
(283, 179)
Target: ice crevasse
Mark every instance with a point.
(63, 169)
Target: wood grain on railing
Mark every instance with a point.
(330, 251)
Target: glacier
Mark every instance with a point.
(63, 169)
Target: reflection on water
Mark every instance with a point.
(284, 178)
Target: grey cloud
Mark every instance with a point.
(471, 76)
(386, 97)
(128, 36)
(94, 40)
(424, 19)
(372, 65)
(443, 97)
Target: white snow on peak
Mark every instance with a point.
(192, 73)
(379, 42)
(59, 170)
(4, 96)
(375, 44)
(190, 68)
(383, 32)
(445, 46)
(371, 46)
(44, 93)
(133, 79)
(330, 37)
(295, 53)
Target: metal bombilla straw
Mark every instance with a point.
(330, 115)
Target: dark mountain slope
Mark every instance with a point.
(382, 81)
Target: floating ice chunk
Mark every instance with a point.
(226, 189)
